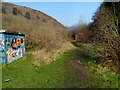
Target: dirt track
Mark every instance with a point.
(80, 70)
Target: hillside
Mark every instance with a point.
(87, 56)
(40, 29)
(33, 13)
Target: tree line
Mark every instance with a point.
(15, 11)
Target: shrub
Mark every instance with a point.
(15, 11)
(19, 12)
(80, 32)
(106, 34)
(40, 34)
(37, 17)
(3, 11)
(27, 15)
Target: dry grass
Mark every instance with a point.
(43, 37)
(38, 33)
(44, 57)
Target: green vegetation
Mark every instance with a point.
(3, 11)
(102, 34)
(19, 12)
(101, 75)
(57, 74)
(31, 47)
(106, 36)
(27, 15)
(15, 11)
(37, 17)
(80, 32)
(43, 39)
(24, 74)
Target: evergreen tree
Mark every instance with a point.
(15, 11)
(27, 15)
(37, 17)
(3, 11)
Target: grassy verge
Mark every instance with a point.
(100, 74)
(23, 74)
(57, 74)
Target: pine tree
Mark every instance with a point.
(37, 17)
(27, 15)
(3, 11)
(15, 11)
